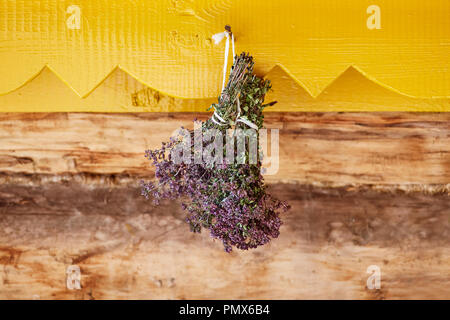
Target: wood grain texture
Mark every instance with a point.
(405, 150)
(367, 189)
(126, 248)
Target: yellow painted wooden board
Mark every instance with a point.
(120, 92)
(167, 45)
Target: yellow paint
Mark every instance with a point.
(307, 46)
(47, 93)
(351, 91)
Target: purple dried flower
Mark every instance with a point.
(228, 199)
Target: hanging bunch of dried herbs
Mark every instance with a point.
(220, 183)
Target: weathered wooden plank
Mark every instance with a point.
(332, 149)
(126, 248)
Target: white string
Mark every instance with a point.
(216, 115)
(247, 122)
(241, 119)
(213, 120)
(232, 46)
(225, 62)
(218, 37)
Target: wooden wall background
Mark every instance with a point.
(365, 189)
(81, 102)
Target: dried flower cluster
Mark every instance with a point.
(229, 199)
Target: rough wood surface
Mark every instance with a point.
(409, 150)
(126, 248)
(367, 189)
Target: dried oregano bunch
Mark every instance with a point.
(221, 187)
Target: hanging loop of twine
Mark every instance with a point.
(218, 37)
(216, 118)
